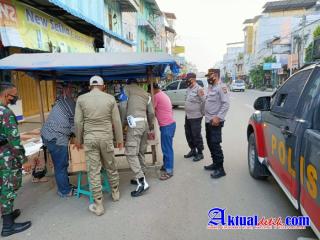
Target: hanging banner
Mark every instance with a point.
(26, 27)
(178, 49)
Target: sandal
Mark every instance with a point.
(165, 176)
(40, 180)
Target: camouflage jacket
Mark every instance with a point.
(12, 154)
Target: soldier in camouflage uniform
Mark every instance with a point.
(11, 159)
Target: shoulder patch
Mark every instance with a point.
(225, 90)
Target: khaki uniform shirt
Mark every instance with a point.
(139, 103)
(96, 113)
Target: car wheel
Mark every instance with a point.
(256, 169)
(174, 106)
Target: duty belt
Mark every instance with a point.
(139, 119)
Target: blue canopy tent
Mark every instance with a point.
(81, 66)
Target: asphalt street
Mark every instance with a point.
(173, 209)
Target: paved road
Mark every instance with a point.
(175, 209)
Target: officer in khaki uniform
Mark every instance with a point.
(96, 113)
(140, 116)
(216, 107)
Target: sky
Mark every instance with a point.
(204, 27)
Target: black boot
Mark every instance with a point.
(211, 167)
(192, 153)
(141, 188)
(218, 173)
(16, 213)
(199, 156)
(10, 227)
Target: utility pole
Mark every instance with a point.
(301, 41)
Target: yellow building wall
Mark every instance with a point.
(287, 13)
(249, 40)
(27, 91)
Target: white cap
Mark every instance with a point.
(96, 81)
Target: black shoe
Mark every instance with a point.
(16, 213)
(141, 188)
(10, 227)
(211, 167)
(218, 173)
(198, 157)
(192, 153)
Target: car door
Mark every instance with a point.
(309, 162)
(171, 91)
(280, 134)
(182, 93)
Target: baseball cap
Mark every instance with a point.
(212, 70)
(191, 75)
(96, 81)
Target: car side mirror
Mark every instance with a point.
(262, 104)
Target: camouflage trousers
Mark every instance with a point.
(136, 146)
(100, 153)
(10, 182)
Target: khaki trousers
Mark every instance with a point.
(100, 153)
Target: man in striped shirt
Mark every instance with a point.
(56, 133)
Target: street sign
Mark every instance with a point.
(271, 66)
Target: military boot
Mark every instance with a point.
(10, 227)
(190, 154)
(141, 188)
(97, 207)
(16, 213)
(115, 193)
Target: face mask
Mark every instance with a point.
(211, 81)
(14, 99)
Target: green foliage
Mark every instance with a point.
(309, 53)
(316, 33)
(257, 73)
(270, 59)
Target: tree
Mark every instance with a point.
(257, 73)
(309, 51)
(316, 32)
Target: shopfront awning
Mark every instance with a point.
(128, 6)
(81, 66)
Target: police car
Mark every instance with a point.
(284, 141)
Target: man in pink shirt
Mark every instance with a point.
(164, 114)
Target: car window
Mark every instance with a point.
(183, 85)
(173, 86)
(309, 94)
(287, 97)
(200, 83)
(240, 81)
